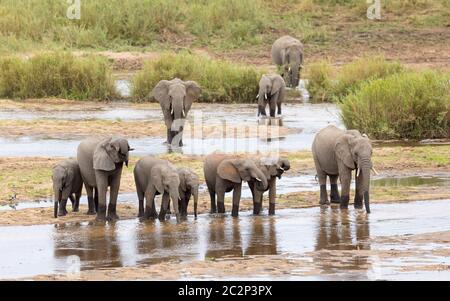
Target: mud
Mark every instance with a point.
(333, 244)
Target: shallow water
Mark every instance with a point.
(32, 250)
(306, 119)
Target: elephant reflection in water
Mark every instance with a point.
(161, 242)
(263, 237)
(225, 239)
(95, 245)
(337, 231)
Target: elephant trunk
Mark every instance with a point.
(175, 198)
(365, 167)
(260, 179)
(195, 193)
(295, 75)
(57, 196)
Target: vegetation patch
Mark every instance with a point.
(405, 105)
(221, 81)
(56, 74)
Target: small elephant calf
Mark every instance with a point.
(272, 90)
(67, 183)
(189, 183)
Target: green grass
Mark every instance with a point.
(221, 81)
(56, 75)
(320, 84)
(405, 105)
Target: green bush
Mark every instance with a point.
(320, 85)
(352, 75)
(220, 80)
(404, 105)
(56, 75)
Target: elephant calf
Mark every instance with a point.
(67, 183)
(336, 153)
(271, 91)
(189, 183)
(225, 173)
(153, 177)
(101, 162)
(272, 168)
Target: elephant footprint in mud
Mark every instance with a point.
(225, 173)
(336, 153)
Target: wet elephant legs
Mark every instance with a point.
(334, 195)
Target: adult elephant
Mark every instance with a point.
(336, 153)
(225, 173)
(176, 97)
(287, 52)
(272, 169)
(272, 90)
(153, 177)
(101, 161)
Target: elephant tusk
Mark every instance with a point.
(265, 96)
(281, 168)
(374, 171)
(184, 113)
(357, 171)
(257, 96)
(171, 111)
(258, 179)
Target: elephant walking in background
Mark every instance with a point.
(225, 173)
(272, 90)
(272, 169)
(176, 97)
(101, 161)
(287, 52)
(153, 177)
(336, 153)
(67, 183)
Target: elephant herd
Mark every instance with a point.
(99, 161)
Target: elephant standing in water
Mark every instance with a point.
(176, 97)
(189, 183)
(225, 173)
(67, 183)
(271, 91)
(287, 52)
(153, 177)
(336, 153)
(272, 169)
(101, 162)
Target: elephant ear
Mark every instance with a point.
(193, 92)
(161, 93)
(228, 171)
(102, 161)
(157, 179)
(343, 151)
(277, 84)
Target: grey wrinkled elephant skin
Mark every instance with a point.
(101, 161)
(153, 177)
(224, 173)
(272, 90)
(189, 183)
(336, 153)
(176, 98)
(67, 184)
(287, 52)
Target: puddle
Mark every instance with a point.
(413, 181)
(306, 119)
(33, 250)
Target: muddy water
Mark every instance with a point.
(32, 250)
(306, 119)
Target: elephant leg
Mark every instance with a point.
(323, 188)
(169, 135)
(257, 202)
(113, 194)
(345, 178)
(168, 211)
(256, 208)
(140, 195)
(165, 202)
(272, 195)
(262, 107)
(358, 201)
(236, 200)
(149, 203)
(72, 200)
(102, 187)
(212, 195)
(62, 204)
(96, 199)
(220, 200)
(279, 107)
(76, 208)
(90, 197)
(334, 195)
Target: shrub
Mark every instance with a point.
(320, 85)
(404, 105)
(56, 75)
(352, 75)
(220, 80)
